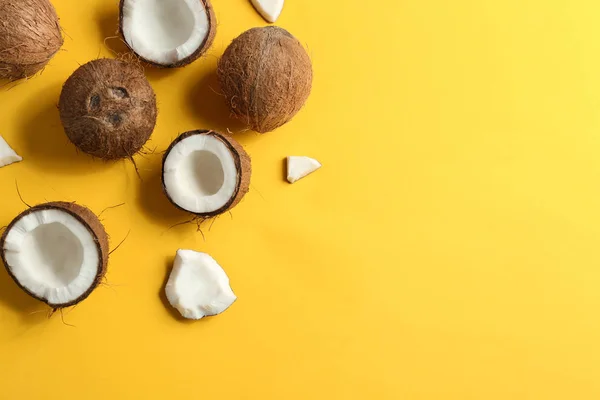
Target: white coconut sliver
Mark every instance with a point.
(200, 174)
(269, 9)
(7, 154)
(164, 31)
(198, 286)
(300, 166)
(52, 255)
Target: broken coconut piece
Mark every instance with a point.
(7, 154)
(56, 252)
(205, 173)
(167, 33)
(299, 167)
(198, 286)
(268, 9)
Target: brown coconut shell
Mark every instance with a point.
(242, 163)
(95, 228)
(208, 41)
(30, 36)
(266, 75)
(108, 108)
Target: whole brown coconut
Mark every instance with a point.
(266, 76)
(108, 109)
(29, 37)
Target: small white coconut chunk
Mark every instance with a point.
(52, 255)
(198, 286)
(200, 174)
(164, 31)
(7, 154)
(299, 167)
(269, 9)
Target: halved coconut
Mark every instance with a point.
(206, 173)
(167, 33)
(56, 252)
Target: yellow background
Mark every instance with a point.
(448, 249)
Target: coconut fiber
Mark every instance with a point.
(108, 108)
(29, 37)
(266, 76)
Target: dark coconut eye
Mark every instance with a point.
(115, 119)
(119, 92)
(95, 102)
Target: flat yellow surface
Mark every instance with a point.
(448, 249)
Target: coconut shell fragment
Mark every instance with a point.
(30, 36)
(108, 109)
(206, 173)
(266, 76)
(56, 252)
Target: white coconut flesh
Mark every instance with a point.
(198, 286)
(269, 9)
(164, 31)
(299, 166)
(7, 154)
(200, 174)
(52, 255)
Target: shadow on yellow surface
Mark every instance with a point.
(19, 301)
(108, 24)
(206, 101)
(284, 169)
(155, 204)
(46, 142)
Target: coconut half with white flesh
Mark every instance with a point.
(206, 173)
(56, 252)
(198, 287)
(167, 33)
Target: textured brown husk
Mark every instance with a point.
(266, 75)
(90, 221)
(29, 37)
(108, 108)
(208, 41)
(242, 162)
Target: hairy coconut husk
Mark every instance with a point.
(108, 108)
(266, 75)
(210, 37)
(29, 37)
(242, 162)
(95, 228)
